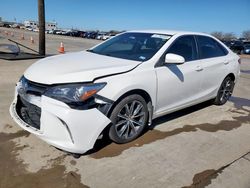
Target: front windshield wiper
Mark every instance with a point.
(89, 50)
(92, 51)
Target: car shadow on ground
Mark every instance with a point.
(180, 113)
(105, 141)
(106, 148)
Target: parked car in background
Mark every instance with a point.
(90, 34)
(246, 42)
(68, 33)
(237, 46)
(93, 35)
(100, 35)
(36, 30)
(85, 35)
(55, 31)
(246, 49)
(16, 26)
(108, 36)
(75, 33)
(118, 87)
(28, 28)
(50, 31)
(59, 32)
(6, 25)
(228, 43)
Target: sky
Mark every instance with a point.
(191, 15)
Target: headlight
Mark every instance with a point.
(69, 93)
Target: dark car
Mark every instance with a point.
(85, 35)
(75, 33)
(246, 42)
(90, 35)
(6, 25)
(228, 43)
(93, 35)
(246, 49)
(237, 46)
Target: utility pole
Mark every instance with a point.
(41, 18)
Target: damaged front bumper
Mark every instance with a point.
(72, 130)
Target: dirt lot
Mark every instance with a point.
(202, 146)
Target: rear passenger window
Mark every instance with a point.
(209, 47)
(184, 46)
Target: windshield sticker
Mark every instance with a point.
(164, 37)
(142, 58)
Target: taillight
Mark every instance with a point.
(239, 61)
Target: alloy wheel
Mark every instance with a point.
(130, 119)
(226, 90)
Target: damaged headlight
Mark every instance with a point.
(69, 93)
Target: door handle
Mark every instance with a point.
(226, 62)
(198, 68)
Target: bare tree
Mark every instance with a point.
(229, 36)
(246, 34)
(218, 35)
(41, 18)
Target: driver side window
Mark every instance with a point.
(184, 46)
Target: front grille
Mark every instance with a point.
(28, 112)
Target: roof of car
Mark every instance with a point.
(169, 32)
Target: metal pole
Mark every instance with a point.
(41, 18)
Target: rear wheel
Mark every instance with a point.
(129, 119)
(225, 91)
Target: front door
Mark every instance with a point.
(179, 84)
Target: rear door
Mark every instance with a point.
(214, 62)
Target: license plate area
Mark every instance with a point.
(28, 112)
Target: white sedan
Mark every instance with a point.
(119, 86)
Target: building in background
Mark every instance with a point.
(34, 25)
(50, 25)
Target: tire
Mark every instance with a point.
(225, 91)
(129, 118)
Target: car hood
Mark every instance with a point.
(76, 67)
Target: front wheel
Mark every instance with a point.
(129, 118)
(225, 91)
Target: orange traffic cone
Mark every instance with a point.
(22, 37)
(32, 40)
(61, 48)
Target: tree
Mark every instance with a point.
(41, 18)
(229, 36)
(218, 35)
(246, 34)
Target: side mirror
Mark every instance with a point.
(174, 58)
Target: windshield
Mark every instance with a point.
(132, 46)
